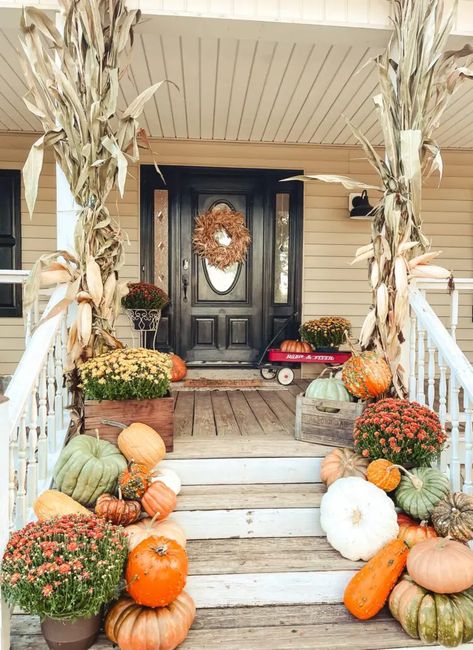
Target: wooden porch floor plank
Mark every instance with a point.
(280, 410)
(278, 555)
(184, 414)
(267, 419)
(225, 422)
(230, 497)
(204, 422)
(249, 425)
(288, 398)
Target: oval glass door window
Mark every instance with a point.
(221, 281)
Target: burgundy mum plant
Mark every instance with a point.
(404, 432)
(142, 295)
(64, 568)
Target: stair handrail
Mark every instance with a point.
(451, 352)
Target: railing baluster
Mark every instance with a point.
(51, 401)
(454, 302)
(412, 357)
(431, 372)
(454, 433)
(64, 337)
(43, 419)
(468, 483)
(32, 461)
(58, 406)
(420, 364)
(21, 504)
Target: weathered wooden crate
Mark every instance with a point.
(156, 413)
(314, 424)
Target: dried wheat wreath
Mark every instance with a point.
(206, 245)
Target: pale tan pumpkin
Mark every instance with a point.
(142, 444)
(341, 463)
(53, 503)
(148, 527)
(441, 565)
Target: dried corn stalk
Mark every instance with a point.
(417, 77)
(73, 80)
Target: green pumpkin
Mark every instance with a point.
(442, 619)
(87, 468)
(328, 388)
(420, 490)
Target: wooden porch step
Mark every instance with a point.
(231, 497)
(280, 554)
(296, 627)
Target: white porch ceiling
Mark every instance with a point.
(258, 83)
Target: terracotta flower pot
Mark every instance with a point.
(77, 634)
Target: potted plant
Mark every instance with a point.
(326, 334)
(65, 570)
(143, 305)
(128, 385)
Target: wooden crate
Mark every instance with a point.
(324, 428)
(156, 413)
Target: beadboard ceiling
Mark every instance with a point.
(247, 83)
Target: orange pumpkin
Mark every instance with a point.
(369, 589)
(441, 565)
(411, 532)
(159, 500)
(179, 368)
(156, 571)
(148, 527)
(383, 474)
(295, 346)
(162, 628)
(366, 375)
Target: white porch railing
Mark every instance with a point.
(33, 421)
(441, 376)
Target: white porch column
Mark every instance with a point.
(67, 211)
(66, 208)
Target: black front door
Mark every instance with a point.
(227, 317)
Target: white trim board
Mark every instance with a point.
(238, 471)
(270, 522)
(247, 589)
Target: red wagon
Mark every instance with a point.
(285, 374)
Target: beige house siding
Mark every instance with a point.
(330, 284)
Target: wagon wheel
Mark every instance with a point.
(268, 372)
(285, 376)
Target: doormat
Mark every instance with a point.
(222, 383)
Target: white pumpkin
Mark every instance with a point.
(168, 477)
(358, 518)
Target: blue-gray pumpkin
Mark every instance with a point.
(328, 388)
(87, 468)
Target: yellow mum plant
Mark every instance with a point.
(130, 373)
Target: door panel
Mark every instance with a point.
(215, 317)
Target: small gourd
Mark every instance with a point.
(412, 532)
(134, 480)
(384, 474)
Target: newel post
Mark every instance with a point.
(5, 430)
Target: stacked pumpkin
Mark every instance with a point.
(119, 484)
(417, 557)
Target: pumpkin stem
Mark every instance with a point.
(155, 518)
(161, 550)
(416, 481)
(114, 423)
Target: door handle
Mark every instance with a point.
(185, 284)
